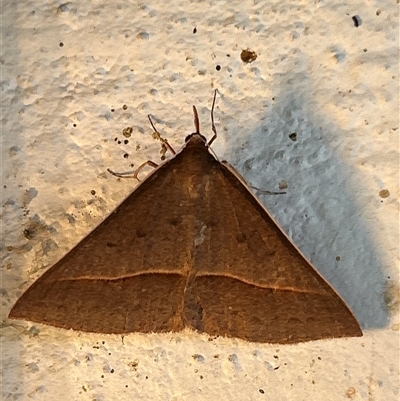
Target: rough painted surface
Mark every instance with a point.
(67, 72)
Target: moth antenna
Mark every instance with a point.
(212, 121)
(196, 120)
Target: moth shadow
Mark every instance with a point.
(324, 209)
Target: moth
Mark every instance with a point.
(190, 247)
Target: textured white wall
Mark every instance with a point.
(66, 66)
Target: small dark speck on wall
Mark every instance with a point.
(127, 132)
(357, 20)
(248, 56)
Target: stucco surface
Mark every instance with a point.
(75, 75)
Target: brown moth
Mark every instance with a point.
(191, 247)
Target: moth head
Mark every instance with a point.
(196, 138)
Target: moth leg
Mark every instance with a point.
(164, 147)
(157, 135)
(212, 121)
(265, 192)
(240, 178)
(135, 174)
